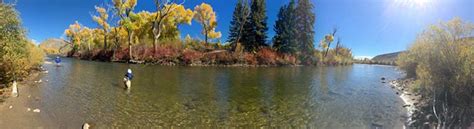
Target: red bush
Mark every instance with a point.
(166, 52)
(267, 56)
(250, 59)
(225, 58)
(191, 56)
(121, 55)
(287, 59)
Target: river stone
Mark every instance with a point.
(86, 126)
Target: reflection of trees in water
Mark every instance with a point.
(341, 74)
(323, 82)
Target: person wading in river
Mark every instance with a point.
(128, 79)
(57, 60)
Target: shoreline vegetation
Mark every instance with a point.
(441, 65)
(18, 55)
(154, 37)
(438, 91)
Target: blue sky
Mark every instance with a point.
(368, 27)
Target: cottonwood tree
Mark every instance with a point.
(73, 35)
(124, 9)
(86, 35)
(101, 19)
(328, 39)
(205, 15)
(166, 9)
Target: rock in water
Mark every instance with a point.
(383, 78)
(37, 110)
(85, 126)
(14, 89)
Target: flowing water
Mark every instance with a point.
(209, 97)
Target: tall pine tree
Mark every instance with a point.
(285, 39)
(240, 17)
(255, 31)
(305, 26)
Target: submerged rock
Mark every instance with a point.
(37, 110)
(86, 126)
(14, 89)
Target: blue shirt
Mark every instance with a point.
(57, 60)
(129, 76)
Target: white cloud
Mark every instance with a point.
(34, 41)
(363, 57)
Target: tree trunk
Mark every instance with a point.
(130, 36)
(105, 41)
(329, 45)
(155, 41)
(156, 33)
(207, 43)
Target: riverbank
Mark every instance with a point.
(24, 111)
(410, 98)
(176, 56)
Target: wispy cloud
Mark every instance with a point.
(34, 41)
(363, 57)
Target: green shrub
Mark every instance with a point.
(17, 54)
(442, 60)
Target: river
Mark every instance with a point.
(209, 97)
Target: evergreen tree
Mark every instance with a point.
(239, 18)
(255, 31)
(285, 40)
(305, 26)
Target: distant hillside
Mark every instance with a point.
(55, 46)
(387, 58)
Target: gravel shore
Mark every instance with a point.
(24, 111)
(411, 100)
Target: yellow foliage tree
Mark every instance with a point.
(72, 33)
(205, 15)
(168, 16)
(124, 9)
(102, 21)
(86, 35)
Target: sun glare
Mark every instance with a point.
(415, 3)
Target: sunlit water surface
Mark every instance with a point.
(322, 97)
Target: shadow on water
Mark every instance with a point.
(321, 97)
